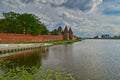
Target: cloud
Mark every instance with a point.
(69, 16)
(52, 2)
(83, 5)
(11, 3)
(111, 7)
(85, 17)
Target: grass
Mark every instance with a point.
(63, 42)
(31, 73)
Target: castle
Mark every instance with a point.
(66, 33)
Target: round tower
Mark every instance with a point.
(66, 34)
(60, 30)
(70, 33)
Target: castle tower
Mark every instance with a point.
(70, 33)
(60, 30)
(66, 34)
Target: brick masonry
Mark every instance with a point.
(14, 38)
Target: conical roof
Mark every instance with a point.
(66, 29)
(70, 30)
(60, 29)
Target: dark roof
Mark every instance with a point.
(60, 29)
(70, 30)
(66, 29)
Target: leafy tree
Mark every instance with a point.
(29, 22)
(96, 37)
(44, 30)
(22, 23)
(10, 15)
(54, 32)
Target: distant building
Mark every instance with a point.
(106, 36)
(70, 33)
(67, 33)
(60, 31)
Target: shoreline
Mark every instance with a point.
(15, 47)
(64, 42)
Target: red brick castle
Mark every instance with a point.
(66, 33)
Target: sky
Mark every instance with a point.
(87, 18)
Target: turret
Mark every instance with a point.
(60, 30)
(70, 33)
(66, 34)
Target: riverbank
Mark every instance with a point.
(31, 73)
(8, 48)
(64, 42)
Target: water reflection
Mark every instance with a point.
(59, 55)
(26, 58)
(89, 59)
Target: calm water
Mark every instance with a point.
(89, 59)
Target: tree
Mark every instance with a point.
(30, 24)
(96, 37)
(44, 30)
(22, 23)
(54, 32)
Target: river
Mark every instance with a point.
(88, 59)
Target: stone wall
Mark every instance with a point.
(12, 38)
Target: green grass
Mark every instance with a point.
(31, 73)
(63, 42)
(23, 73)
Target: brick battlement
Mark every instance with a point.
(13, 38)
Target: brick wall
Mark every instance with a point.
(10, 38)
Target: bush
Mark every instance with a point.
(32, 73)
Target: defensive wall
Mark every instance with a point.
(14, 38)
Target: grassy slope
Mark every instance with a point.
(63, 42)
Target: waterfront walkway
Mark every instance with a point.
(8, 48)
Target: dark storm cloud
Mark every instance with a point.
(82, 5)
